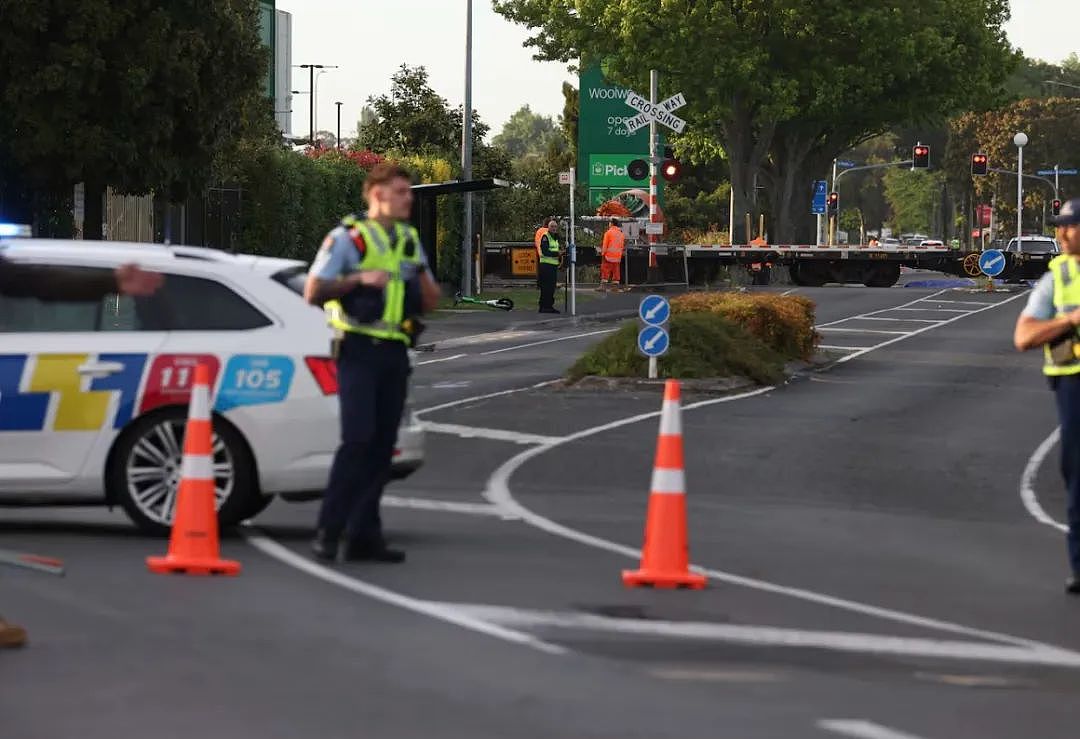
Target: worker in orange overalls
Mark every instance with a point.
(611, 255)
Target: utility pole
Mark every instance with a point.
(466, 159)
(654, 216)
(338, 104)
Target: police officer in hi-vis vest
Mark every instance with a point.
(372, 278)
(547, 251)
(1051, 320)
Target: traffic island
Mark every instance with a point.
(719, 342)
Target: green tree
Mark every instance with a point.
(141, 96)
(913, 199)
(797, 83)
(529, 134)
(414, 119)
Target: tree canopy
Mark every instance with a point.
(139, 96)
(784, 85)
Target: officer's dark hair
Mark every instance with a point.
(614, 221)
(384, 172)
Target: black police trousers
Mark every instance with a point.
(548, 276)
(373, 381)
(1067, 392)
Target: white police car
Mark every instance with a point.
(93, 395)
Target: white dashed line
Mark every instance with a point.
(444, 359)
(862, 729)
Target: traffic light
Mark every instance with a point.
(834, 202)
(920, 157)
(979, 164)
(1056, 207)
(638, 169)
(670, 168)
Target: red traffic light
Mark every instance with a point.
(670, 170)
(1056, 207)
(979, 164)
(834, 200)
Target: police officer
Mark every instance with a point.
(548, 253)
(371, 276)
(55, 283)
(1051, 320)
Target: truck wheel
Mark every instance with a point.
(882, 275)
(144, 472)
(809, 275)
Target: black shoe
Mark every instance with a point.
(357, 552)
(1072, 585)
(325, 546)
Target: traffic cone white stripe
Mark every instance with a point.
(670, 419)
(668, 482)
(197, 467)
(199, 408)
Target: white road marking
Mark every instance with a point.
(476, 432)
(959, 302)
(444, 506)
(485, 338)
(550, 341)
(498, 492)
(862, 331)
(924, 329)
(883, 310)
(486, 396)
(1027, 482)
(840, 348)
(901, 320)
(444, 359)
(789, 292)
(769, 636)
(929, 310)
(288, 557)
(455, 385)
(862, 729)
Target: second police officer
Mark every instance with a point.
(371, 276)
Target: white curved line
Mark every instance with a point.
(498, 493)
(1027, 482)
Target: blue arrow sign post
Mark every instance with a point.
(992, 262)
(654, 311)
(821, 195)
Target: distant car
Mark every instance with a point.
(891, 241)
(936, 243)
(1030, 257)
(93, 396)
(1033, 245)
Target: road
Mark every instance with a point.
(870, 533)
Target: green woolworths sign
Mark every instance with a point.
(605, 146)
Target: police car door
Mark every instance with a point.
(70, 373)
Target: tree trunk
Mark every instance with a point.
(93, 211)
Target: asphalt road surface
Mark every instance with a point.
(881, 540)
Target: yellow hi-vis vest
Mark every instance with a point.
(382, 254)
(1066, 273)
(553, 245)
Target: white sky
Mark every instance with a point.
(370, 39)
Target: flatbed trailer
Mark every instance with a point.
(808, 265)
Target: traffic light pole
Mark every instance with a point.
(1049, 182)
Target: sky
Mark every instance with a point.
(505, 76)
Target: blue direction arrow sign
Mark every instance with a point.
(653, 341)
(1048, 172)
(654, 310)
(821, 194)
(992, 262)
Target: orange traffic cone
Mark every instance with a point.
(665, 559)
(193, 545)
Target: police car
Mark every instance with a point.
(93, 396)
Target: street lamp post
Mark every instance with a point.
(311, 86)
(466, 159)
(338, 104)
(1021, 141)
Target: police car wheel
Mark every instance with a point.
(144, 472)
